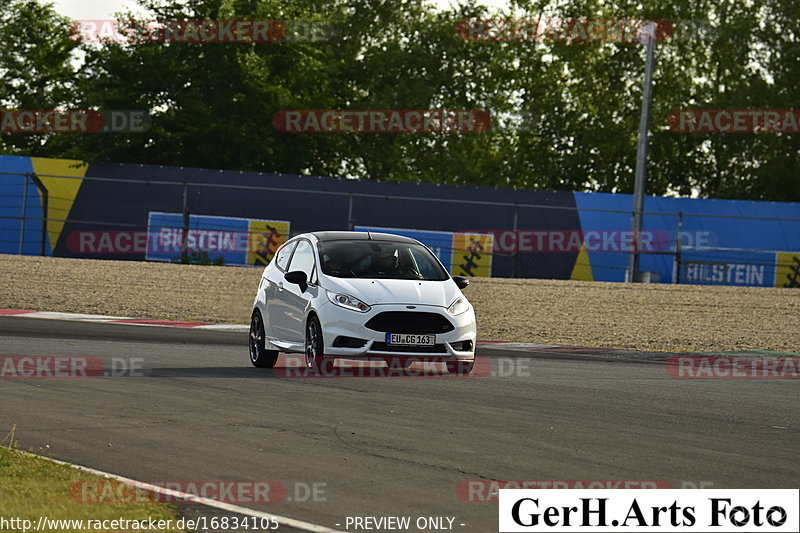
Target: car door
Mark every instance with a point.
(275, 283)
(295, 300)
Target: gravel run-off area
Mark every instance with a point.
(656, 317)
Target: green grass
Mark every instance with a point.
(31, 487)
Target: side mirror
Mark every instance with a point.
(461, 282)
(298, 277)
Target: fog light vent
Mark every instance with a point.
(462, 346)
(348, 342)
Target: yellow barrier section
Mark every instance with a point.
(472, 254)
(787, 269)
(582, 270)
(62, 191)
(266, 236)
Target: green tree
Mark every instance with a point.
(37, 69)
(565, 114)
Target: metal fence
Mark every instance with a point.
(39, 220)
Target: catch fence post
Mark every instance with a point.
(678, 250)
(24, 213)
(185, 236)
(45, 203)
(515, 255)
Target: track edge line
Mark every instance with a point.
(284, 520)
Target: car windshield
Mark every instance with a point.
(379, 259)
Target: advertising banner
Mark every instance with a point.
(222, 240)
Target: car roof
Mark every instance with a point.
(323, 236)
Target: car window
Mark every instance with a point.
(282, 258)
(303, 259)
(422, 258)
(379, 259)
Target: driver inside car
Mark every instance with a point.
(334, 265)
(392, 263)
(384, 263)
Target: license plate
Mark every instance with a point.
(410, 339)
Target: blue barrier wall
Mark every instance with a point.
(739, 231)
(315, 203)
(14, 201)
(741, 245)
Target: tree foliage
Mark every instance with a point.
(565, 114)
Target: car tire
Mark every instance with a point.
(460, 367)
(260, 357)
(315, 347)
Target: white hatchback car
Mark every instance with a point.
(361, 295)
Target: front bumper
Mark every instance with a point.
(338, 322)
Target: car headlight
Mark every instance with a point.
(460, 305)
(347, 301)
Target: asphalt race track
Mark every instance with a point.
(389, 447)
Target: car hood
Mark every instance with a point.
(396, 291)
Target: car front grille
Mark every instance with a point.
(409, 322)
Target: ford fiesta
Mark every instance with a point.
(361, 295)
